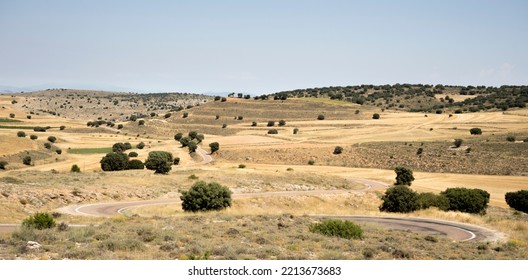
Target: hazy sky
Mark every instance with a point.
(261, 46)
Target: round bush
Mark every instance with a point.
(52, 139)
(140, 145)
(3, 164)
(47, 145)
(114, 161)
(178, 136)
(75, 168)
(282, 123)
(273, 131)
(467, 200)
(21, 134)
(204, 196)
(271, 123)
(475, 131)
(119, 147)
(214, 147)
(518, 200)
(135, 164)
(132, 154)
(343, 229)
(39, 221)
(33, 137)
(338, 150)
(376, 116)
(321, 117)
(399, 199)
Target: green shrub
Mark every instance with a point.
(320, 117)
(475, 131)
(184, 141)
(518, 200)
(185, 115)
(224, 125)
(338, 150)
(404, 176)
(128, 146)
(135, 164)
(271, 123)
(254, 124)
(119, 147)
(193, 134)
(21, 134)
(427, 200)
(52, 139)
(419, 151)
(159, 161)
(114, 161)
(376, 116)
(58, 151)
(132, 154)
(241, 165)
(295, 130)
(338, 228)
(311, 162)
(467, 200)
(62, 127)
(39, 221)
(26, 160)
(204, 196)
(510, 138)
(141, 122)
(399, 199)
(133, 118)
(39, 129)
(178, 136)
(176, 161)
(214, 147)
(47, 145)
(273, 131)
(3, 164)
(75, 168)
(33, 137)
(119, 126)
(282, 123)
(140, 145)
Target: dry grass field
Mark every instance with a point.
(278, 162)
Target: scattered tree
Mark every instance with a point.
(338, 150)
(510, 138)
(75, 169)
(192, 146)
(114, 161)
(3, 164)
(518, 200)
(159, 161)
(62, 127)
(214, 147)
(273, 131)
(141, 122)
(282, 123)
(254, 124)
(401, 199)
(404, 176)
(21, 134)
(47, 145)
(133, 118)
(140, 145)
(271, 123)
(467, 200)
(204, 196)
(119, 147)
(295, 130)
(185, 115)
(376, 116)
(427, 200)
(26, 160)
(178, 136)
(33, 137)
(419, 151)
(132, 154)
(320, 117)
(52, 139)
(176, 161)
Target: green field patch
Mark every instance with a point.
(8, 120)
(16, 127)
(86, 151)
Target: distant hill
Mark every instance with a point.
(418, 97)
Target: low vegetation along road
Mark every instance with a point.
(452, 230)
